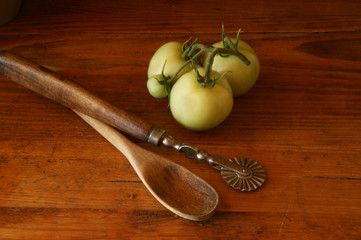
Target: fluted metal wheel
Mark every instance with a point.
(247, 182)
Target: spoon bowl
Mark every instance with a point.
(175, 187)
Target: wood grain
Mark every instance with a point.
(301, 121)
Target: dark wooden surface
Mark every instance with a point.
(302, 121)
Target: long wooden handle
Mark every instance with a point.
(70, 94)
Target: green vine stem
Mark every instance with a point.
(193, 53)
(220, 51)
(201, 50)
(186, 55)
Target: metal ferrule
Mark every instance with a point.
(155, 135)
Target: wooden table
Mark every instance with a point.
(59, 179)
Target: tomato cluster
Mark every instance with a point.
(201, 81)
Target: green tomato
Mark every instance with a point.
(156, 89)
(169, 54)
(240, 76)
(200, 108)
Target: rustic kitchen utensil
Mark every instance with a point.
(241, 173)
(175, 187)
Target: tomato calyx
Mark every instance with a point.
(228, 44)
(166, 80)
(207, 80)
(188, 51)
(193, 54)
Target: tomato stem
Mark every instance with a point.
(220, 51)
(209, 64)
(192, 60)
(193, 53)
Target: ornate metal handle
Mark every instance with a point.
(240, 172)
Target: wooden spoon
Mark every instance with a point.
(175, 187)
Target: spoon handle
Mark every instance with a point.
(118, 140)
(68, 93)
